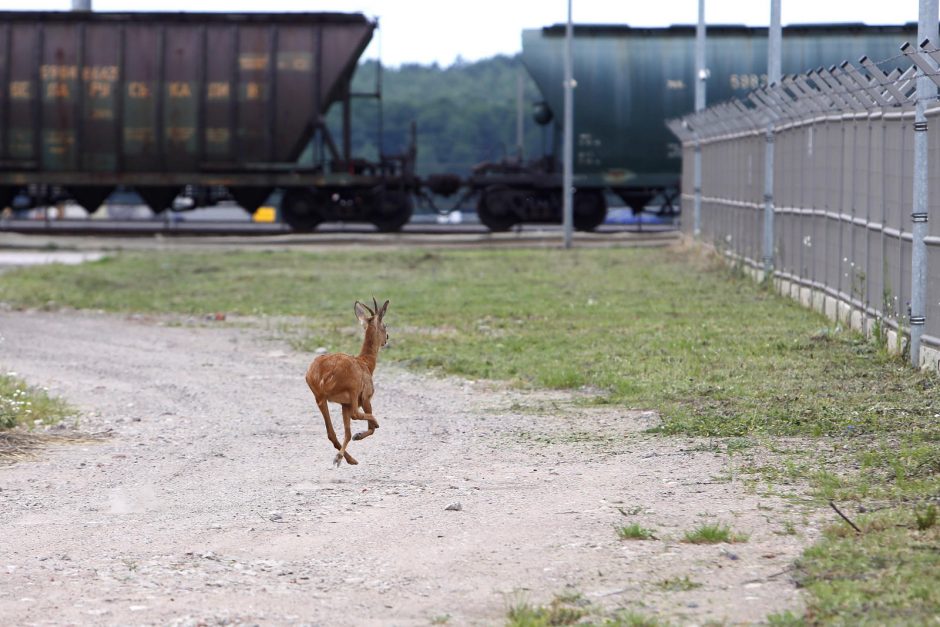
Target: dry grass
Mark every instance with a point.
(18, 444)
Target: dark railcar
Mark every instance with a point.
(159, 101)
(629, 81)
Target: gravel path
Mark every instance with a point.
(215, 499)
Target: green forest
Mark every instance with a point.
(464, 113)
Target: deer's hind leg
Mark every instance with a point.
(367, 416)
(347, 435)
(330, 433)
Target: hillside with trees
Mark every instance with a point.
(465, 113)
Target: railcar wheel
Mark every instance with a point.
(590, 209)
(300, 210)
(158, 198)
(499, 208)
(250, 198)
(90, 197)
(393, 210)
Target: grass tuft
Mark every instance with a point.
(678, 584)
(785, 619)
(713, 534)
(634, 531)
(558, 612)
(926, 518)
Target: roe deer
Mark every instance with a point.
(347, 380)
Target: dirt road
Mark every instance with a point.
(215, 499)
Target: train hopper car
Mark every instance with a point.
(162, 102)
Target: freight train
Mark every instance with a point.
(223, 105)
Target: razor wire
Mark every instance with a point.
(822, 91)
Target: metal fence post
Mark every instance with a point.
(568, 148)
(926, 90)
(773, 76)
(700, 75)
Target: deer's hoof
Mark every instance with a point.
(338, 460)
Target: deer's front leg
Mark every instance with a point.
(367, 416)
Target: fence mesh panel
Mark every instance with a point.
(842, 186)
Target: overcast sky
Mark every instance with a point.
(425, 31)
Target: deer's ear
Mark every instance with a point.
(362, 312)
(382, 310)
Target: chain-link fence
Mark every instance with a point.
(842, 188)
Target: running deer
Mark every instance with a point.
(347, 380)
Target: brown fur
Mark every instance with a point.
(347, 380)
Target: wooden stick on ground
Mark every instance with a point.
(844, 517)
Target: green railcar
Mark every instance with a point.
(629, 81)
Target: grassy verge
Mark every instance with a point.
(668, 329)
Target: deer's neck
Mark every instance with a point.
(370, 349)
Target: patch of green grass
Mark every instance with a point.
(785, 619)
(572, 608)
(21, 404)
(658, 328)
(713, 534)
(558, 612)
(650, 327)
(737, 445)
(678, 584)
(634, 531)
(886, 575)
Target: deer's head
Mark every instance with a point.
(373, 319)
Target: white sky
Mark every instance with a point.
(416, 31)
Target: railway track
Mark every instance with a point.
(142, 234)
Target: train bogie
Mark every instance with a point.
(387, 208)
(500, 207)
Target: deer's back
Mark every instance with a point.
(339, 378)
